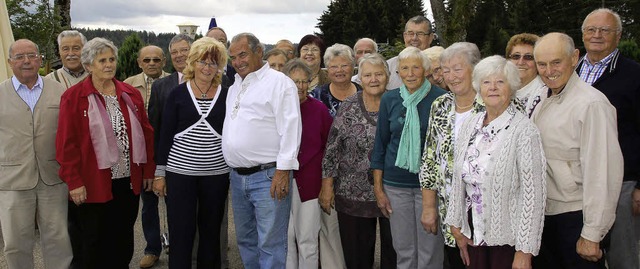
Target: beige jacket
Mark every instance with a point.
(139, 83)
(28, 141)
(65, 78)
(584, 161)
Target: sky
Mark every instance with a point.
(269, 20)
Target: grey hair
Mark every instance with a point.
(297, 64)
(180, 37)
(94, 47)
(366, 39)
(415, 53)
(373, 59)
(433, 53)
(566, 40)
(71, 33)
(24, 39)
(339, 50)
(608, 11)
(468, 51)
(496, 65)
(418, 20)
(274, 52)
(284, 41)
(254, 42)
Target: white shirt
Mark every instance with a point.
(394, 79)
(262, 122)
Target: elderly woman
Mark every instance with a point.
(445, 119)
(402, 125)
(347, 178)
(340, 61)
(520, 52)
(104, 145)
(276, 59)
(311, 49)
(435, 73)
(190, 162)
(304, 223)
(496, 207)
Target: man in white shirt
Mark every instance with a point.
(417, 33)
(363, 46)
(260, 141)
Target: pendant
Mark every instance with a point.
(203, 96)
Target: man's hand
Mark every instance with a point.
(327, 196)
(462, 241)
(280, 184)
(429, 219)
(78, 195)
(521, 260)
(635, 202)
(588, 250)
(159, 186)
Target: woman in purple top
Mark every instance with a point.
(304, 223)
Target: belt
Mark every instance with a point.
(250, 170)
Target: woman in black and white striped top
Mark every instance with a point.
(190, 160)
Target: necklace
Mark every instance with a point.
(203, 95)
(463, 107)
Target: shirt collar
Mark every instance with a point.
(74, 74)
(258, 74)
(605, 61)
(17, 84)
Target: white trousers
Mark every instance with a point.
(304, 228)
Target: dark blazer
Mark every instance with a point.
(620, 82)
(231, 74)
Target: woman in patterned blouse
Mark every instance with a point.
(496, 206)
(347, 178)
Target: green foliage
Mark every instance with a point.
(128, 56)
(388, 51)
(630, 49)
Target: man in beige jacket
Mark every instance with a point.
(70, 43)
(151, 60)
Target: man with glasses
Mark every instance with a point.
(151, 60)
(30, 188)
(617, 77)
(417, 33)
(70, 43)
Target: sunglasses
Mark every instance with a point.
(155, 60)
(526, 57)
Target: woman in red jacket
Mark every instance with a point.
(104, 145)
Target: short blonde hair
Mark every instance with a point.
(202, 49)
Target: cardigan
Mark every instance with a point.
(514, 194)
(74, 149)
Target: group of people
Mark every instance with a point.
(456, 161)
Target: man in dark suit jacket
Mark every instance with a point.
(219, 34)
(618, 78)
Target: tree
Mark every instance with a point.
(128, 57)
(64, 11)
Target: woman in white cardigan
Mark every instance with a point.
(496, 207)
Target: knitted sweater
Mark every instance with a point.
(514, 196)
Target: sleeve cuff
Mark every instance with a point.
(160, 170)
(593, 234)
(287, 164)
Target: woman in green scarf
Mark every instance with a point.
(402, 125)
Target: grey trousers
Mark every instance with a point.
(625, 233)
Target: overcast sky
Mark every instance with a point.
(269, 20)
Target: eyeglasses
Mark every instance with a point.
(419, 34)
(181, 51)
(307, 50)
(204, 63)
(22, 57)
(148, 60)
(336, 67)
(592, 30)
(516, 57)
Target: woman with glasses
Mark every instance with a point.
(311, 49)
(520, 52)
(304, 222)
(339, 60)
(191, 170)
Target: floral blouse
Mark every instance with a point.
(477, 166)
(347, 158)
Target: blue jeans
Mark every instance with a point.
(261, 221)
(151, 223)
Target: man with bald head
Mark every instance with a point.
(70, 43)
(607, 70)
(287, 47)
(151, 60)
(30, 188)
(584, 163)
(417, 33)
(363, 46)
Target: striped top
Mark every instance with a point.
(589, 73)
(29, 96)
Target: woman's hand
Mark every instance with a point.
(521, 260)
(78, 195)
(327, 196)
(160, 187)
(462, 241)
(383, 202)
(429, 219)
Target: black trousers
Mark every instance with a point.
(358, 238)
(102, 233)
(452, 258)
(195, 200)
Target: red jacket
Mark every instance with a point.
(74, 149)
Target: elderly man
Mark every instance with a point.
(417, 33)
(260, 141)
(584, 162)
(617, 77)
(30, 187)
(70, 43)
(151, 60)
(287, 47)
(179, 49)
(219, 34)
(363, 46)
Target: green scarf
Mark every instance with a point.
(409, 148)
